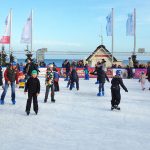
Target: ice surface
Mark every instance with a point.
(79, 120)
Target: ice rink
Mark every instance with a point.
(79, 120)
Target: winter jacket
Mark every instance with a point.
(29, 68)
(49, 80)
(74, 75)
(56, 76)
(32, 85)
(116, 81)
(11, 75)
(67, 66)
(101, 75)
(1, 76)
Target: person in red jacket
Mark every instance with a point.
(10, 75)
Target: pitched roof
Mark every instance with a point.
(105, 50)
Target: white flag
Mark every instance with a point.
(5, 39)
(26, 34)
(130, 25)
(109, 25)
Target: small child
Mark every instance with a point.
(49, 82)
(56, 80)
(115, 90)
(142, 80)
(33, 88)
(86, 71)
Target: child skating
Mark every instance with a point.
(142, 80)
(115, 90)
(49, 82)
(33, 88)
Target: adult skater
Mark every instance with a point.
(148, 73)
(101, 76)
(115, 90)
(67, 66)
(74, 78)
(49, 82)
(33, 89)
(30, 66)
(10, 75)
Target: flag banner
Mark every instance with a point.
(130, 25)
(109, 25)
(26, 33)
(5, 39)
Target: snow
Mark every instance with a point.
(79, 120)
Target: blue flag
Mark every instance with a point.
(130, 25)
(109, 25)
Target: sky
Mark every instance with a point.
(76, 25)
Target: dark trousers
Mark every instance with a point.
(48, 87)
(101, 87)
(72, 84)
(116, 96)
(29, 101)
(56, 86)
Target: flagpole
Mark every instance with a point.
(112, 36)
(134, 30)
(10, 49)
(31, 28)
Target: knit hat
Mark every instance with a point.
(118, 72)
(34, 72)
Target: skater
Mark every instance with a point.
(115, 90)
(30, 66)
(33, 88)
(86, 71)
(56, 80)
(10, 75)
(74, 78)
(142, 80)
(49, 82)
(130, 75)
(1, 76)
(67, 66)
(148, 73)
(101, 76)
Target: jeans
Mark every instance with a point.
(101, 87)
(12, 84)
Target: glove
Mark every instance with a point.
(126, 90)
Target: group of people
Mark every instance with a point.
(32, 85)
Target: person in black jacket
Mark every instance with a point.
(115, 90)
(148, 73)
(1, 76)
(30, 66)
(101, 76)
(67, 66)
(74, 78)
(33, 89)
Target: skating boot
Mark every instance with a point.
(117, 107)
(2, 102)
(102, 93)
(99, 94)
(13, 102)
